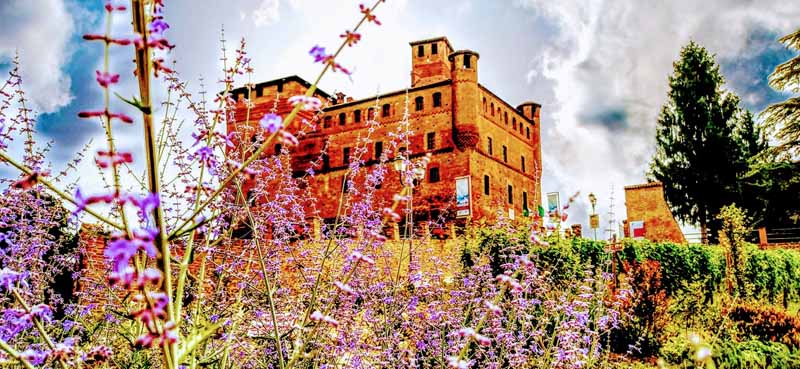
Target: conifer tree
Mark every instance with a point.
(703, 141)
(784, 118)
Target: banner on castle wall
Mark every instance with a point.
(463, 197)
(637, 229)
(553, 204)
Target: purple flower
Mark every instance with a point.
(318, 53)
(158, 26)
(121, 250)
(271, 122)
(106, 79)
(9, 277)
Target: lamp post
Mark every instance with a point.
(410, 174)
(594, 220)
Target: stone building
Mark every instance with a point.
(466, 130)
(647, 209)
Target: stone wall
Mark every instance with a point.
(645, 202)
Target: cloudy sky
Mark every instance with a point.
(599, 68)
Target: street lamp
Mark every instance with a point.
(410, 175)
(594, 220)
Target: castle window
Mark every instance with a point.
(524, 201)
(491, 109)
(510, 195)
(280, 87)
(346, 156)
(378, 150)
(327, 122)
(418, 103)
(485, 184)
(342, 119)
(528, 132)
(484, 104)
(420, 51)
(278, 149)
(434, 48)
(385, 110)
(357, 116)
(326, 161)
(467, 61)
(522, 160)
(437, 99)
(520, 128)
(505, 153)
(371, 114)
(489, 147)
(433, 175)
(505, 118)
(259, 92)
(514, 124)
(431, 139)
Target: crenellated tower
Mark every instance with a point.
(466, 98)
(429, 61)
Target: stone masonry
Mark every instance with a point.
(466, 129)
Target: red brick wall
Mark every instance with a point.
(646, 202)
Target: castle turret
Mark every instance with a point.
(429, 62)
(466, 98)
(531, 110)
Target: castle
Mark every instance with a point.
(474, 140)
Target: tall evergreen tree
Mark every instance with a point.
(784, 117)
(703, 141)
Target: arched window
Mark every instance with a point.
(385, 110)
(514, 124)
(528, 132)
(505, 117)
(485, 184)
(327, 122)
(484, 104)
(437, 99)
(418, 103)
(371, 114)
(491, 109)
(357, 116)
(342, 119)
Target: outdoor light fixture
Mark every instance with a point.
(594, 219)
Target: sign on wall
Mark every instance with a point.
(553, 204)
(637, 228)
(463, 197)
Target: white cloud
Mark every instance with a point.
(267, 13)
(608, 69)
(40, 30)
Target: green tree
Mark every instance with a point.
(703, 141)
(784, 118)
